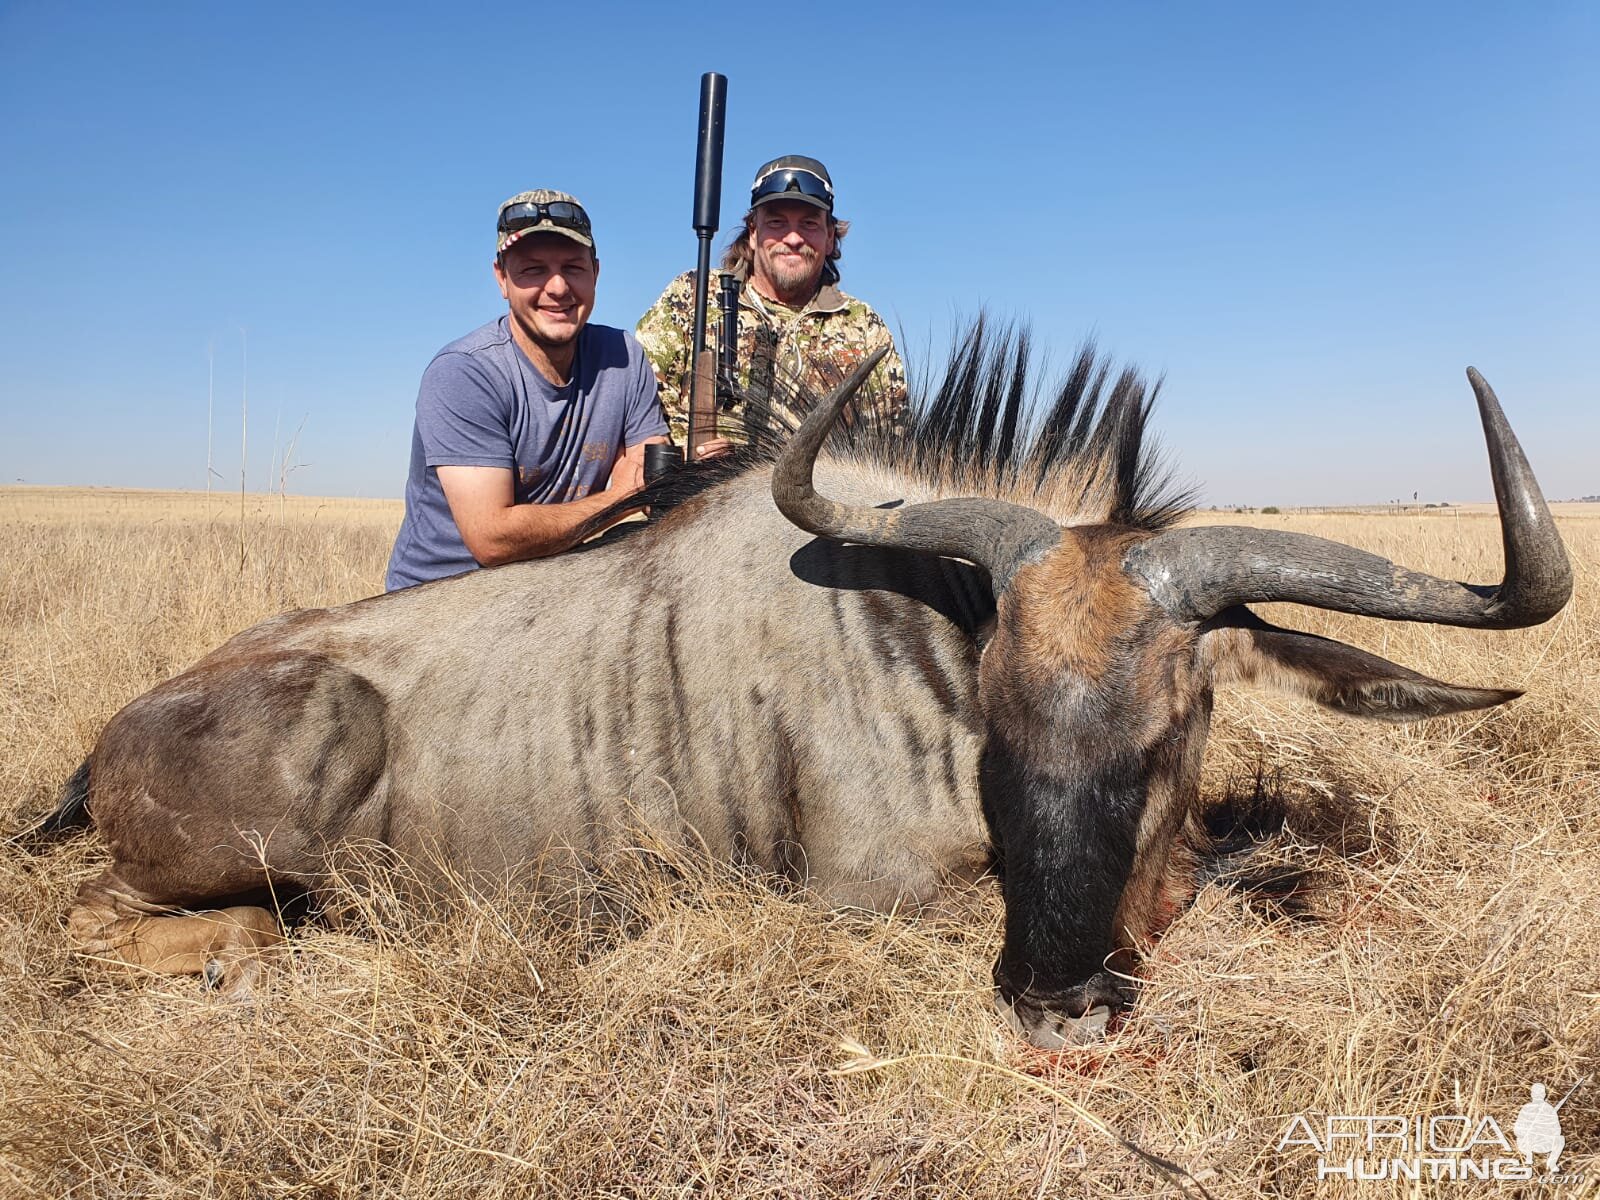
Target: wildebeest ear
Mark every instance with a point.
(1242, 648)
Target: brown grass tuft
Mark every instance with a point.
(1442, 956)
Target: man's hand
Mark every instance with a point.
(627, 474)
(714, 448)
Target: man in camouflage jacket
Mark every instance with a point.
(799, 334)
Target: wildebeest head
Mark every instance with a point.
(1109, 636)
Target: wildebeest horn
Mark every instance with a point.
(1196, 573)
(991, 533)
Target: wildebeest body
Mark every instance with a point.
(573, 700)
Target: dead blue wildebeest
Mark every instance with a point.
(983, 646)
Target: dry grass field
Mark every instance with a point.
(1442, 955)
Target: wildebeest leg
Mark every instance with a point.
(110, 921)
(235, 777)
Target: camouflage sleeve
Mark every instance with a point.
(888, 382)
(665, 331)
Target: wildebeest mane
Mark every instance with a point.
(1079, 454)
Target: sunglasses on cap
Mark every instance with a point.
(530, 213)
(791, 179)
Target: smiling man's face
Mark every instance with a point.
(790, 245)
(549, 282)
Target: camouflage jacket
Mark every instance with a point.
(782, 354)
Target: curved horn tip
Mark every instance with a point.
(833, 403)
(1481, 388)
(867, 366)
(792, 488)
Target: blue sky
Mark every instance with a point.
(1309, 218)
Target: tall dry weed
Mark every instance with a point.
(1440, 956)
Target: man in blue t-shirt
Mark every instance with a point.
(532, 424)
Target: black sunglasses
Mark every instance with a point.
(530, 213)
(791, 179)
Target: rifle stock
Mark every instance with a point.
(702, 402)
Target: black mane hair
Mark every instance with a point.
(1080, 455)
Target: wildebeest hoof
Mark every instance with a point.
(1047, 1030)
(233, 978)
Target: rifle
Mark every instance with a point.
(707, 203)
(1570, 1090)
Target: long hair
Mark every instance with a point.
(1076, 452)
(737, 252)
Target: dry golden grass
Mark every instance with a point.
(1448, 957)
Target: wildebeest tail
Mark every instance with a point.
(71, 813)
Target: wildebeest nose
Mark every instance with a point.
(1102, 990)
(1051, 1029)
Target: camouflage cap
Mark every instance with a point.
(785, 178)
(577, 228)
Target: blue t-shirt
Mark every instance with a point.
(484, 404)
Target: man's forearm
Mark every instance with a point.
(523, 531)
